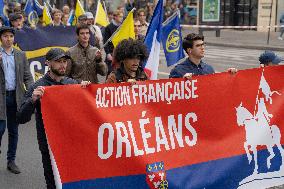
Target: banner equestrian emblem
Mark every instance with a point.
(260, 131)
(156, 176)
(173, 41)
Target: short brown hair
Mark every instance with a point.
(117, 12)
(80, 27)
(54, 11)
(187, 42)
(141, 10)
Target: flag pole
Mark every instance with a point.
(26, 5)
(105, 10)
(97, 11)
(170, 18)
(50, 7)
(109, 39)
(254, 111)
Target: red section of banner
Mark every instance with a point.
(205, 109)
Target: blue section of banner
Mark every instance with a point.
(135, 181)
(30, 39)
(172, 41)
(223, 173)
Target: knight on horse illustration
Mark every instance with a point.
(258, 128)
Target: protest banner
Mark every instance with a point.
(214, 131)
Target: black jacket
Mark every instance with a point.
(27, 108)
(24, 115)
(109, 30)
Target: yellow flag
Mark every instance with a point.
(125, 31)
(101, 16)
(78, 12)
(46, 18)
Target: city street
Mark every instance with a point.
(28, 155)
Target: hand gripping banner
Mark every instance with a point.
(215, 131)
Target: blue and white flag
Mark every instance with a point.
(71, 18)
(33, 6)
(33, 10)
(29, 7)
(37, 7)
(172, 40)
(153, 41)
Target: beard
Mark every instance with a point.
(57, 72)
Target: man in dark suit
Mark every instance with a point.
(15, 78)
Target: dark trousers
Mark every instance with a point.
(11, 111)
(282, 32)
(46, 161)
(109, 66)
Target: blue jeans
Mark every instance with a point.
(12, 125)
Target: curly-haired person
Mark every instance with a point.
(129, 54)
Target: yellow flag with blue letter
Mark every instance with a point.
(125, 31)
(101, 16)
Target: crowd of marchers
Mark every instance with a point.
(20, 95)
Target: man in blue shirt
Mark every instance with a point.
(193, 44)
(15, 76)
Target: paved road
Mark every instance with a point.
(28, 159)
(28, 156)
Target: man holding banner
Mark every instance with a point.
(129, 53)
(56, 59)
(193, 44)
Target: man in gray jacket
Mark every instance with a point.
(15, 78)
